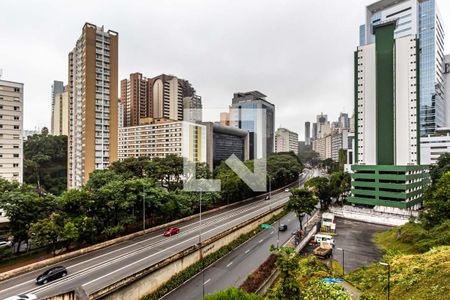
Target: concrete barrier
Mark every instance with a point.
(73, 254)
(151, 278)
(369, 216)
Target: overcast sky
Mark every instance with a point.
(299, 53)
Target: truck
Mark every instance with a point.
(324, 250)
(328, 223)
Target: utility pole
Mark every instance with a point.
(143, 207)
(389, 278)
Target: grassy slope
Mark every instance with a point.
(389, 240)
(413, 276)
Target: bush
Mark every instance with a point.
(234, 294)
(257, 278)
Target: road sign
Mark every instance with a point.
(266, 226)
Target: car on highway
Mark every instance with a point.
(287, 190)
(4, 244)
(52, 274)
(171, 231)
(23, 297)
(267, 197)
(283, 227)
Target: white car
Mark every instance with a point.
(287, 190)
(23, 297)
(5, 244)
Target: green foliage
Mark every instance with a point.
(257, 278)
(308, 156)
(233, 293)
(287, 286)
(302, 201)
(318, 290)
(418, 276)
(437, 202)
(440, 168)
(283, 168)
(340, 185)
(322, 189)
(45, 162)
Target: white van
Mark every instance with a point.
(319, 238)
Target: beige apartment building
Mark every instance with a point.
(286, 141)
(93, 109)
(159, 137)
(11, 130)
(60, 113)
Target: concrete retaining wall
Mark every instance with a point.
(150, 279)
(60, 258)
(369, 216)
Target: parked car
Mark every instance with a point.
(4, 244)
(287, 190)
(23, 297)
(171, 231)
(283, 227)
(267, 197)
(52, 274)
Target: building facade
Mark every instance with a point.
(11, 130)
(286, 141)
(433, 146)
(161, 137)
(57, 88)
(387, 172)
(60, 113)
(307, 133)
(247, 113)
(421, 20)
(93, 111)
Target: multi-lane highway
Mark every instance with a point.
(233, 269)
(99, 269)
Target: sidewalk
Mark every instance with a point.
(351, 289)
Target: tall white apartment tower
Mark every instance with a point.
(419, 19)
(93, 97)
(11, 130)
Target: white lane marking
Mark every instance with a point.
(229, 264)
(247, 251)
(173, 246)
(260, 241)
(207, 281)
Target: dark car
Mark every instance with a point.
(171, 231)
(51, 274)
(283, 227)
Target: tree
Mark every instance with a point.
(441, 167)
(132, 167)
(340, 185)
(234, 294)
(302, 201)
(45, 162)
(322, 189)
(24, 207)
(287, 286)
(437, 203)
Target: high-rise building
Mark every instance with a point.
(447, 89)
(57, 88)
(60, 113)
(161, 137)
(314, 131)
(11, 130)
(163, 96)
(286, 141)
(433, 146)
(245, 114)
(344, 121)
(387, 172)
(93, 95)
(307, 133)
(135, 99)
(421, 20)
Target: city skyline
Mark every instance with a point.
(204, 53)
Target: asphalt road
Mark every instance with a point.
(233, 269)
(96, 270)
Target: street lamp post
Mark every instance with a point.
(343, 260)
(389, 278)
(200, 246)
(143, 207)
(228, 200)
